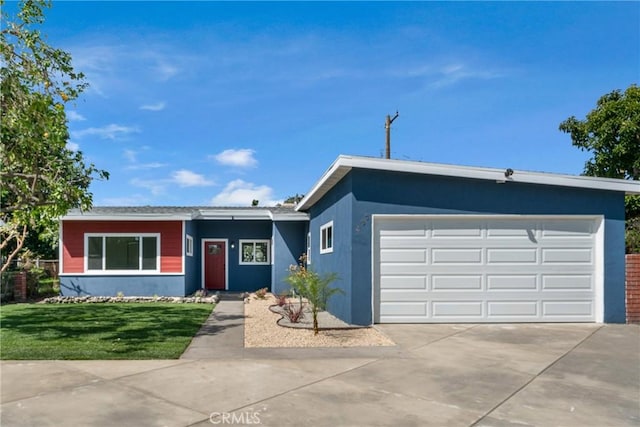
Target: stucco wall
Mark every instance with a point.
(241, 277)
(335, 206)
(289, 242)
(161, 285)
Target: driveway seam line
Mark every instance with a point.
(305, 385)
(443, 338)
(475, 423)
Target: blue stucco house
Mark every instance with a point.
(412, 242)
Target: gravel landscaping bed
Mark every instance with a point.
(262, 330)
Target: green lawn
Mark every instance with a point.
(98, 331)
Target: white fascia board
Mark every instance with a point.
(331, 177)
(128, 217)
(296, 216)
(344, 164)
(233, 214)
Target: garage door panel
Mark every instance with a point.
(448, 282)
(513, 309)
(403, 309)
(512, 282)
(512, 229)
(400, 243)
(456, 256)
(404, 282)
(512, 256)
(457, 309)
(402, 228)
(448, 229)
(399, 269)
(567, 255)
(566, 282)
(489, 270)
(404, 255)
(567, 308)
(574, 229)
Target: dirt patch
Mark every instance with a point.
(261, 330)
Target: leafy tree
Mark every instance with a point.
(612, 133)
(40, 178)
(294, 199)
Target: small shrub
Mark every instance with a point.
(120, 294)
(262, 293)
(281, 299)
(632, 236)
(294, 312)
(314, 287)
(200, 293)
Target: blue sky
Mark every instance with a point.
(211, 103)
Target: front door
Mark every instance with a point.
(215, 256)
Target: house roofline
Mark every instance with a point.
(197, 213)
(344, 164)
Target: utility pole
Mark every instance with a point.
(387, 127)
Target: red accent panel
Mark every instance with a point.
(170, 241)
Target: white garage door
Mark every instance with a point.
(486, 269)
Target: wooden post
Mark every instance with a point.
(387, 127)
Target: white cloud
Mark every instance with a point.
(242, 193)
(453, 73)
(186, 178)
(130, 155)
(72, 146)
(74, 116)
(141, 166)
(156, 187)
(158, 106)
(240, 158)
(112, 132)
(165, 71)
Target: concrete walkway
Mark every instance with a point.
(437, 375)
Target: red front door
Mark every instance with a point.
(215, 256)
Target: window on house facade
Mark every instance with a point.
(189, 245)
(326, 238)
(122, 252)
(254, 252)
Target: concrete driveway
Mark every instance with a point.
(438, 375)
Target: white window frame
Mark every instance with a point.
(254, 241)
(139, 271)
(323, 239)
(189, 245)
(308, 248)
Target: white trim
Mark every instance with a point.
(140, 271)
(254, 241)
(343, 164)
(308, 248)
(120, 273)
(598, 250)
(226, 260)
(60, 248)
(128, 217)
(599, 270)
(326, 226)
(189, 245)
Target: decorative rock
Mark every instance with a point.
(105, 299)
